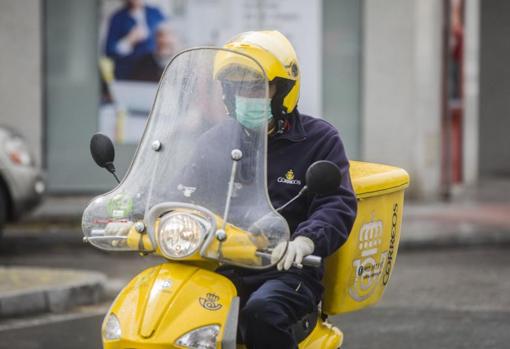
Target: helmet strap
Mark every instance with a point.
(280, 125)
(280, 114)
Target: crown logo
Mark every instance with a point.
(211, 297)
(210, 302)
(370, 235)
(289, 175)
(368, 267)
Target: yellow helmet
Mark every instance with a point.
(273, 51)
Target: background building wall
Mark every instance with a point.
(471, 91)
(401, 89)
(494, 155)
(341, 48)
(72, 98)
(21, 70)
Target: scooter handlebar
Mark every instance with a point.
(312, 261)
(309, 261)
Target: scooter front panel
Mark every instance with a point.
(165, 302)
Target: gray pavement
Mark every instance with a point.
(448, 298)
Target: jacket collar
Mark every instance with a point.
(293, 131)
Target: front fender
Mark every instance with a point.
(164, 302)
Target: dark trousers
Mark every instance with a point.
(269, 307)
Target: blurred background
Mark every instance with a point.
(418, 84)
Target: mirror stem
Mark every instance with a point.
(236, 156)
(111, 168)
(116, 178)
(301, 192)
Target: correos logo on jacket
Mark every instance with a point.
(289, 178)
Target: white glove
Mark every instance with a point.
(297, 249)
(117, 229)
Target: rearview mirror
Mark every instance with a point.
(323, 178)
(103, 152)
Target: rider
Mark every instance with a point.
(272, 300)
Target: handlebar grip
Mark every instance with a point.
(309, 261)
(312, 261)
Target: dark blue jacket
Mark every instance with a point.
(120, 25)
(326, 220)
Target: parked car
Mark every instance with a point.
(22, 183)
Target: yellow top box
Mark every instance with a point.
(370, 179)
(357, 274)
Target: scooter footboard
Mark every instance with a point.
(171, 303)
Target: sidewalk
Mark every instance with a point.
(31, 290)
(480, 216)
(455, 224)
(477, 216)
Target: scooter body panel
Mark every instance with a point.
(323, 336)
(165, 302)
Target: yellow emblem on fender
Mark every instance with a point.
(289, 175)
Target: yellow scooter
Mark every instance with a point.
(196, 195)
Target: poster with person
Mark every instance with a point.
(137, 39)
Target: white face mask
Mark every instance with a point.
(253, 112)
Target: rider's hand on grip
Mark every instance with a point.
(117, 229)
(297, 249)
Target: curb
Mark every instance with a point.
(473, 237)
(81, 288)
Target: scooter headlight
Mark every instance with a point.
(180, 234)
(111, 328)
(201, 338)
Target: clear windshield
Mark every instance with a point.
(211, 106)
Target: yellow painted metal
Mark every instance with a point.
(240, 246)
(369, 179)
(323, 336)
(357, 274)
(133, 240)
(165, 302)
